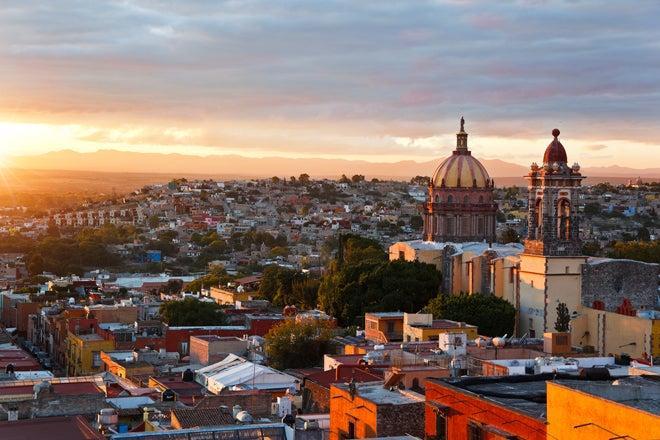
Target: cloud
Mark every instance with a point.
(596, 147)
(355, 70)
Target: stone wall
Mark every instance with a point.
(610, 281)
(399, 420)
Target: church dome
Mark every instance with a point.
(461, 169)
(555, 151)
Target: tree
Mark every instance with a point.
(416, 222)
(303, 178)
(275, 179)
(154, 221)
(298, 344)
(191, 311)
(492, 315)
(509, 235)
(361, 279)
(173, 286)
(344, 179)
(357, 178)
(563, 318)
(647, 251)
(420, 180)
(591, 248)
(217, 276)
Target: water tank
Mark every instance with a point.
(481, 342)
(235, 410)
(188, 375)
(499, 342)
(168, 396)
(244, 417)
(595, 373)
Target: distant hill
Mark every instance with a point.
(239, 166)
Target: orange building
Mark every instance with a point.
(486, 408)
(367, 410)
(383, 327)
(601, 410)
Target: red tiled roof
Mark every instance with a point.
(191, 418)
(21, 360)
(51, 428)
(325, 378)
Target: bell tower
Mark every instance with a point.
(550, 267)
(554, 189)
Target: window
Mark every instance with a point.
(440, 426)
(567, 269)
(184, 348)
(437, 199)
(402, 255)
(475, 432)
(450, 199)
(465, 200)
(481, 199)
(390, 327)
(532, 332)
(96, 359)
(351, 429)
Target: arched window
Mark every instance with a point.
(481, 199)
(437, 199)
(539, 218)
(450, 199)
(465, 200)
(564, 219)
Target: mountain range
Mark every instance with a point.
(237, 166)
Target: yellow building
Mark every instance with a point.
(83, 353)
(613, 333)
(600, 410)
(544, 282)
(229, 296)
(123, 365)
(419, 327)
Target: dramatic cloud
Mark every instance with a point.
(376, 79)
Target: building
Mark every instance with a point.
(84, 353)
(599, 410)
(123, 364)
(383, 327)
(209, 349)
(367, 410)
(420, 327)
(484, 407)
(316, 385)
(550, 267)
(235, 371)
(460, 206)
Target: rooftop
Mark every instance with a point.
(52, 428)
(191, 418)
(637, 392)
(386, 314)
(374, 392)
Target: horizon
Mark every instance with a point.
(376, 82)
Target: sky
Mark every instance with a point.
(375, 80)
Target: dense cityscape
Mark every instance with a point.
(347, 308)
